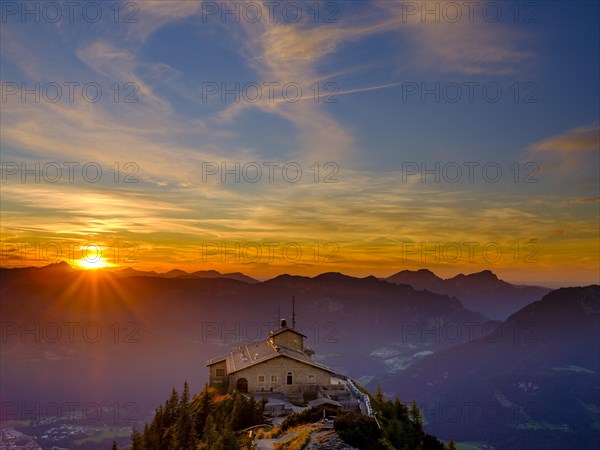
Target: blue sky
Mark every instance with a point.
(371, 56)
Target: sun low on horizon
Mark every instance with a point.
(88, 264)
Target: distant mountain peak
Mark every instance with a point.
(422, 271)
(286, 277)
(419, 279)
(484, 274)
(331, 276)
(239, 276)
(207, 273)
(419, 272)
(62, 265)
(480, 291)
(175, 273)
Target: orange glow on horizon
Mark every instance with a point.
(92, 264)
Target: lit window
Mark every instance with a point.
(273, 378)
(261, 378)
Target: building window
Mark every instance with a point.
(273, 378)
(311, 378)
(220, 372)
(261, 378)
(290, 379)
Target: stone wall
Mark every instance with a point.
(290, 339)
(302, 374)
(215, 379)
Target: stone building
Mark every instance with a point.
(281, 363)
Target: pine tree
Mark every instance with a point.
(200, 410)
(150, 437)
(186, 435)
(115, 446)
(210, 422)
(211, 438)
(416, 417)
(153, 435)
(237, 414)
(254, 416)
(229, 440)
(185, 396)
(173, 443)
(137, 442)
(451, 445)
(171, 409)
(417, 420)
(393, 433)
(400, 410)
(379, 395)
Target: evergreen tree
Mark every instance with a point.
(393, 433)
(173, 442)
(150, 438)
(229, 440)
(185, 430)
(451, 445)
(171, 409)
(417, 420)
(210, 422)
(400, 410)
(379, 395)
(201, 410)
(115, 446)
(137, 442)
(237, 417)
(358, 430)
(254, 411)
(211, 438)
(416, 417)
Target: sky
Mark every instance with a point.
(303, 137)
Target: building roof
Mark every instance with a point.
(324, 401)
(286, 328)
(259, 352)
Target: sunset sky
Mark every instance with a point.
(386, 91)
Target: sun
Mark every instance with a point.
(90, 264)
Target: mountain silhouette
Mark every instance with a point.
(178, 273)
(482, 291)
(538, 372)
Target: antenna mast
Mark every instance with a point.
(293, 312)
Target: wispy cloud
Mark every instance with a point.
(468, 47)
(581, 139)
(575, 151)
(154, 15)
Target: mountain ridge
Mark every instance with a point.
(539, 356)
(479, 291)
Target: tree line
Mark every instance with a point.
(213, 421)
